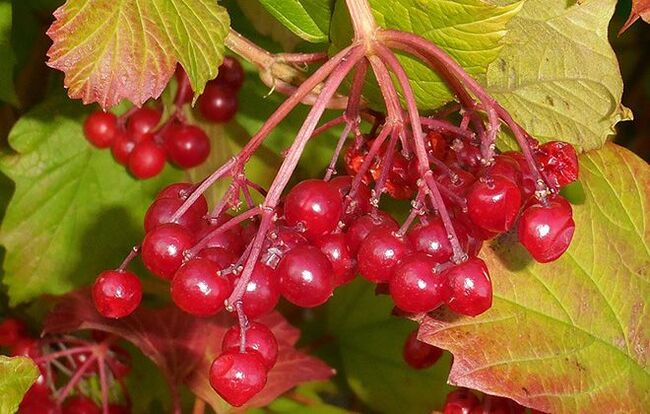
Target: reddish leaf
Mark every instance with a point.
(183, 346)
(640, 8)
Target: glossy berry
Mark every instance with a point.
(219, 256)
(458, 183)
(182, 191)
(461, 401)
(359, 203)
(122, 148)
(237, 377)
(162, 210)
(11, 330)
(27, 347)
(470, 287)
(187, 145)
(262, 292)
(559, 162)
(344, 264)
(259, 339)
(230, 239)
(80, 404)
(198, 289)
(415, 286)
(218, 103)
(505, 166)
(100, 129)
(306, 277)
(116, 293)
(380, 252)
(360, 228)
(142, 121)
(493, 203)
(231, 73)
(432, 238)
(315, 205)
(163, 247)
(146, 160)
(419, 355)
(546, 230)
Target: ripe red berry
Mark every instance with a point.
(219, 256)
(117, 293)
(230, 239)
(415, 286)
(344, 264)
(360, 202)
(259, 338)
(198, 289)
(80, 404)
(380, 252)
(44, 405)
(470, 287)
(306, 278)
(187, 145)
(27, 347)
(419, 355)
(315, 205)
(122, 147)
(142, 121)
(432, 238)
(11, 330)
(458, 183)
(100, 129)
(162, 210)
(262, 292)
(546, 229)
(361, 227)
(504, 166)
(218, 103)
(231, 73)
(146, 160)
(182, 191)
(163, 247)
(237, 377)
(461, 401)
(493, 203)
(559, 162)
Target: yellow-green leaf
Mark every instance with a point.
(17, 374)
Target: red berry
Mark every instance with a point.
(237, 377)
(80, 404)
(315, 205)
(419, 355)
(360, 202)
(122, 148)
(162, 210)
(117, 293)
(11, 330)
(361, 227)
(546, 230)
(470, 288)
(187, 145)
(44, 405)
(344, 264)
(100, 129)
(231, 73)
(432, 238)
(461, 401)
(493, 203)
(183, 191)
(26, 347)
(142, 121)
(465, 155)
(380, 252)
(163, 247)
(218, 103)
(198, 289)
(118, 409)
(527, 179)
(458, 183)
(262, 292)
(184, 93)
(505, 166)
(306, 278)
(416, 286)
(146, 160)
(230, 239)
(259, 338)
(559, 162)
(221, 257)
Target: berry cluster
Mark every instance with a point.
(140, 142)
(419, 355)
(67, 365)
(464, 401)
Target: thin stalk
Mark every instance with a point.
(235, 221)
(76, 378)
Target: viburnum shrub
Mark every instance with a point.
(466, 209)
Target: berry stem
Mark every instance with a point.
(243, 325)
(235, 221)
(135, 250)
(80, 371)
(103, 385)
(331, 167)
(438, 125)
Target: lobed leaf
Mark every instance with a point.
(572, 335)
(60, 225)
(557, 73)
(184, 346)
(114, 50)
(17, 374)
(308, 19)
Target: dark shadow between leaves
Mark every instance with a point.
(509, 251)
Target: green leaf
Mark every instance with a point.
(112, 50)
(16, 376)
(369, 341)
(8, 59)
(75, 211)
(309, 19)
(557, 73)
(572, 335)
(264, 23)
(469, 30)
